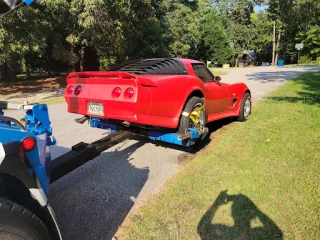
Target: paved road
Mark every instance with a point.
(262, 80)
(92, 201)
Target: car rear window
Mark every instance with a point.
(202, 72)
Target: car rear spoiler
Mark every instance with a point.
(143, 81)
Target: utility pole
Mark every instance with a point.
(274, 42)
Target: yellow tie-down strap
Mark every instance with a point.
(197, 111)
(194, 113)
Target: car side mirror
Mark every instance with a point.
(217, 78)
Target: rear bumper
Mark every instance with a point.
(123, 111)
(139, 119)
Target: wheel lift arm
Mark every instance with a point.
(82, 153)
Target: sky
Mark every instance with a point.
(258, 8)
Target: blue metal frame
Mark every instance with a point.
(156, 136)
(28, 2)
(38, 113)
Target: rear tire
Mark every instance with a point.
(18, 223)
(245, 107)
(185, 121)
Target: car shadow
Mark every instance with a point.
(245, 214)
(92, 201)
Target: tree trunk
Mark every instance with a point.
(73, 58)
(82, 58)
(278, 44)
(11, 73)
(4, 71)
(28, 69)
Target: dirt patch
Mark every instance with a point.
(32, 86)
(36, 89)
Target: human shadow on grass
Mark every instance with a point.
(92, 201)
(244, 211)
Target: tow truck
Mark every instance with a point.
(27, 170)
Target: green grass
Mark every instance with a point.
(46, 101)
(219, 73)
(301, 65)
(24, 76)
(269, 165)
(51, 100)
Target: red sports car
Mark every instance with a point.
(174, 94)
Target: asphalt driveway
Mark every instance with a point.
(93, 201)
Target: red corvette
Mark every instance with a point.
(174, 94)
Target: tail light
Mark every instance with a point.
(116, 92)
(129, 93)
(28, 144)
(69, 89)
(77, 90)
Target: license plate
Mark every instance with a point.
(95, 108)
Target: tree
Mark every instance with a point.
(184, 25)
(143, 33)
(236, 19)
(20, 34)
(261, 41)
(294, 19)
(215, 41)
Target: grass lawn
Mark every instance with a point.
(306, 64)
(51, 100)
(218, 73)
(256, 180)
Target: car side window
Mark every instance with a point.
(202, 72)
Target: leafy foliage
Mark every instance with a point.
(74, 35)
(216, 44)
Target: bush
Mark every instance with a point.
(105, 62)
(304, 60)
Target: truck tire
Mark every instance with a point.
(185, 121)
(18, 223)
(245, 108)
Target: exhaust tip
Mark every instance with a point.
(126, 123)
(81, 120)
